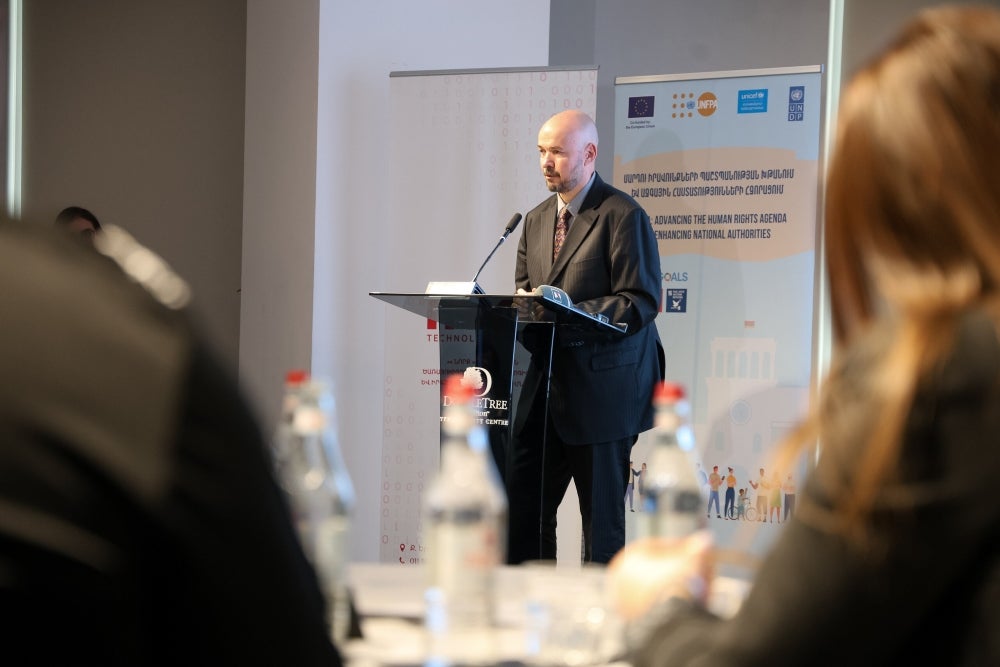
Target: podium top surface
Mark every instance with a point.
(527, 308)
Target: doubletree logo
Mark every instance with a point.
(477, 379)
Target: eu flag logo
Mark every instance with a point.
(641, 107)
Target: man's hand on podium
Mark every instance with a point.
(529, 309)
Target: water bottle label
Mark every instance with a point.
(308, 419)
(462, 559)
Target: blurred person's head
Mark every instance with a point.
(78, 221)
(913, 196)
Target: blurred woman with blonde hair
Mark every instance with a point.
(891, 556)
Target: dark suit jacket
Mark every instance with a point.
(602, 384)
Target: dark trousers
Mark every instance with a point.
(537, 481)
(729, 508)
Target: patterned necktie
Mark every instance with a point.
(562, 224)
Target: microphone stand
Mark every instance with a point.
(476, 289)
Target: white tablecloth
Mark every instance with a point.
(390, 600)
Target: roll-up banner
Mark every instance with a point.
(727, 166)
(463, 160)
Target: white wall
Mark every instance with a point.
(279, 195)
(319, 71)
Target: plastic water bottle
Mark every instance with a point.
(312, 471)
(465, 517)
(672, 499)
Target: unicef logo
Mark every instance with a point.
(478, 379)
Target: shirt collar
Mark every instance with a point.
(576, 202)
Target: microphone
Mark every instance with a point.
(511, 226)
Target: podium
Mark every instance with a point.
(478, 336)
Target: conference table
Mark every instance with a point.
(545, 614)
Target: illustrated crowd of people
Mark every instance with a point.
(774, 497)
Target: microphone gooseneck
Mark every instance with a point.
(511, 226)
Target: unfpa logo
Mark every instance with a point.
(685, 105)
(707, 104)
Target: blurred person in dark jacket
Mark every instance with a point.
(139, 520)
